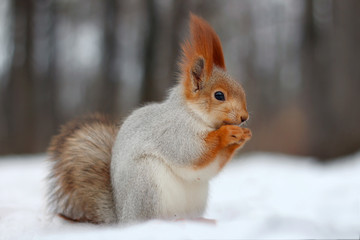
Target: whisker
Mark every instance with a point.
(220, 110)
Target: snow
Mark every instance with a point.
(258, 195)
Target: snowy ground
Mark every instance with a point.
(257, 196)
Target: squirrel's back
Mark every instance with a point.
(80, 157)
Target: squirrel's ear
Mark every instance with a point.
(197, 73)
(201, 51)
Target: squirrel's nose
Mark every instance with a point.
(244, 117)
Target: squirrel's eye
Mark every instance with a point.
(219, 96)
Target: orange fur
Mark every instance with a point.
(204, 73)
(218, 113)
(223, 142)
(203, 43)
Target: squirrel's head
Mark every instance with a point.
(209, 91)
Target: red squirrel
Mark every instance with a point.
(158, 163)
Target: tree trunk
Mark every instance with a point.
(109, 86)
(180, 17)
(331, 78)
(19, 100)
(46, 73)
(149, 91)
(346, 75)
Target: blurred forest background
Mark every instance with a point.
(299, 62)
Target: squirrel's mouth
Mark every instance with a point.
(240, 124)
(233, 123)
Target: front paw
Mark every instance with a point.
(231, 134)
(246, 135)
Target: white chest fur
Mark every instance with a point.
(180, 198)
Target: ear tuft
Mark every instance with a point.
(203, 45)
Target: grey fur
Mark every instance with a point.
(160, 133)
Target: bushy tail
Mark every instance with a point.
(80, 185)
